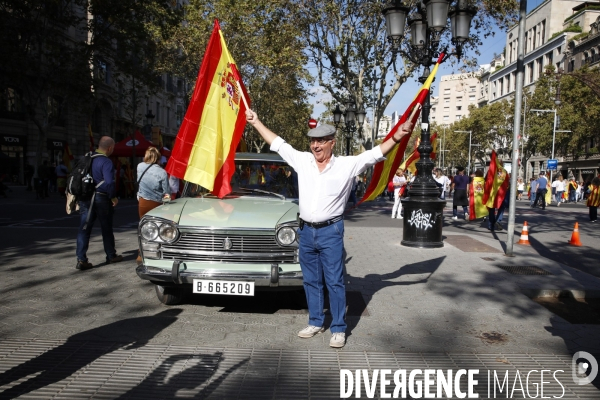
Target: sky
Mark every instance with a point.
(490, 46)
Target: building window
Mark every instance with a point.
(458, 117)
(168, 117)
(101, 71)
(446, 91)
(530, 72)
(473, 89)
(446, 117)
(571, 66)
(543, 32)
(157, 116)
(549, 58)
(458, 108)
(586, 57)
(446, 100)
(459, 99)
(179, 115)
(500, 87)
(540, 65)
(558, 50)
(472, 98)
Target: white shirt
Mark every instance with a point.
(442, 180)
(560, 186)
(323, 195)
(398, 180)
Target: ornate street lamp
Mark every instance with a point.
(427, 22)
(351, 118)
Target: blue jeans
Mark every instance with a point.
(103, 211)
(322, 260)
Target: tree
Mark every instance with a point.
(577, 113)
(263, 37)
(54, 52)
(47, 72)
(346, 43)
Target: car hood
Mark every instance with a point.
(240, 212)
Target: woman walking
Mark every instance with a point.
(399, 182)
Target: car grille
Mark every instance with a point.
(208, 247)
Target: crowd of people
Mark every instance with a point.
(539, 192)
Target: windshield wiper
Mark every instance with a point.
(282, 197)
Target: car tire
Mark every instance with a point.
(169, 295)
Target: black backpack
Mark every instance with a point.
(80, 182)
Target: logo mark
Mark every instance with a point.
(227, 244)
(579, 369)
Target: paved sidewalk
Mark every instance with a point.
(103, 334)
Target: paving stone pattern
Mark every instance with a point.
(420, 303)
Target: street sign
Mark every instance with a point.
(552, 165)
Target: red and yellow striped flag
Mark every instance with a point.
(410, 163)
(205, 146)
(384, 171)
(496, 183)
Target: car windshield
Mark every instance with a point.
(260, 178)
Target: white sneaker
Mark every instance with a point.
(455, 218)
(338, 340)
(310, 331)
(401, 217)
(393, 217)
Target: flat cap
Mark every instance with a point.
(322, 131)
(460, 168)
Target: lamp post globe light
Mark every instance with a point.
(427, 21)
(351, 118)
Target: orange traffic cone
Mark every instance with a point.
(525, 235)
(575, 236)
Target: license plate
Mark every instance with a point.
(235, 288)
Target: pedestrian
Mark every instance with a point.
(153, 185)
(442, 181)
(53, 177)
(520, 188)
(558, 188)
(495, 217)
(324, 183)
(105, 200)
(572, 190)
(593, 200)
(61, 178)
(579, 192)
(460, 186)
(399, 188)
(533, 185)
(540, 194)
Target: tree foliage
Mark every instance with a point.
(346, 43)
(263, 37)
(577, 113)
(51, 48)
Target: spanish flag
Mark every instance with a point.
(496, 183)
(410, 163)
(205, 146)
(384, 171)
(477, 208)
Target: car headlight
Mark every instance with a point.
(286, 236)
(167, 232)
(149, 231)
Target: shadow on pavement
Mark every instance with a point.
(61, 362)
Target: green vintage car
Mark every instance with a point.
(228, 246)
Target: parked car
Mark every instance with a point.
(229, 246)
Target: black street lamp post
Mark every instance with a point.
(351, 117)
(427, 21)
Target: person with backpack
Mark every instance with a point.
(97, 199)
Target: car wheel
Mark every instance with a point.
(169, 295)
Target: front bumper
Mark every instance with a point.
(178, 273)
